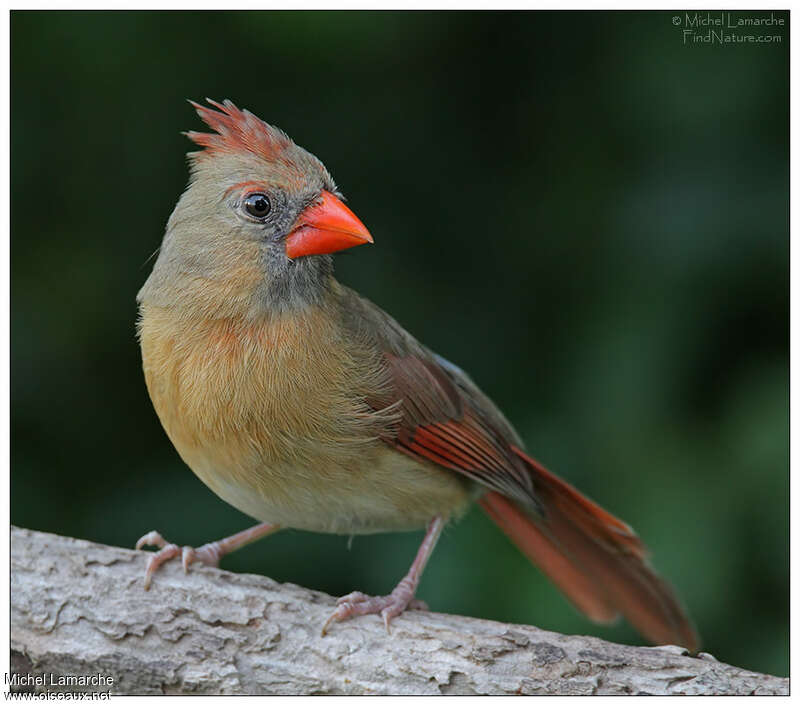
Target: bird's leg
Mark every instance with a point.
(401, 597)
(208, 554)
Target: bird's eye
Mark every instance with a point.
(257, 205)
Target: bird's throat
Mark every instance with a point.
(292, 286)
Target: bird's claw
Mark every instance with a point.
(166, 551)
(357, 603)
(151, 539)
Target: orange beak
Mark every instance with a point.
(326, 227)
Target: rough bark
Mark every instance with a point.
(78, 608)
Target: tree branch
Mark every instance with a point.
(78, 608)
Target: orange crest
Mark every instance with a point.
(237, 131)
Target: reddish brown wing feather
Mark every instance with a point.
(440, 424)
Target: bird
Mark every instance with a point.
(306, 406)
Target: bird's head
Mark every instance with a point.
(255, 229)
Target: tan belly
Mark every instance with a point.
(273, 421)
(385, 492)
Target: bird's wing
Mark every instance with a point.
(444, 417)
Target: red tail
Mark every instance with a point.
(594, 558)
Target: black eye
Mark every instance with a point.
(257, 205)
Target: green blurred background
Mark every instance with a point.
(588, 215)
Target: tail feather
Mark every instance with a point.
(549, 557)
(594, 558)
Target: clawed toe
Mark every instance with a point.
(165, 554)
(188, 556)
(354, 597)
(167, 551)
(209, 554)
(388, 607)
(151, 539)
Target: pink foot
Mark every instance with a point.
(357, 603)
(207, 554)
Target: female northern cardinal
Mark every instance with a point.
(304, 405)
